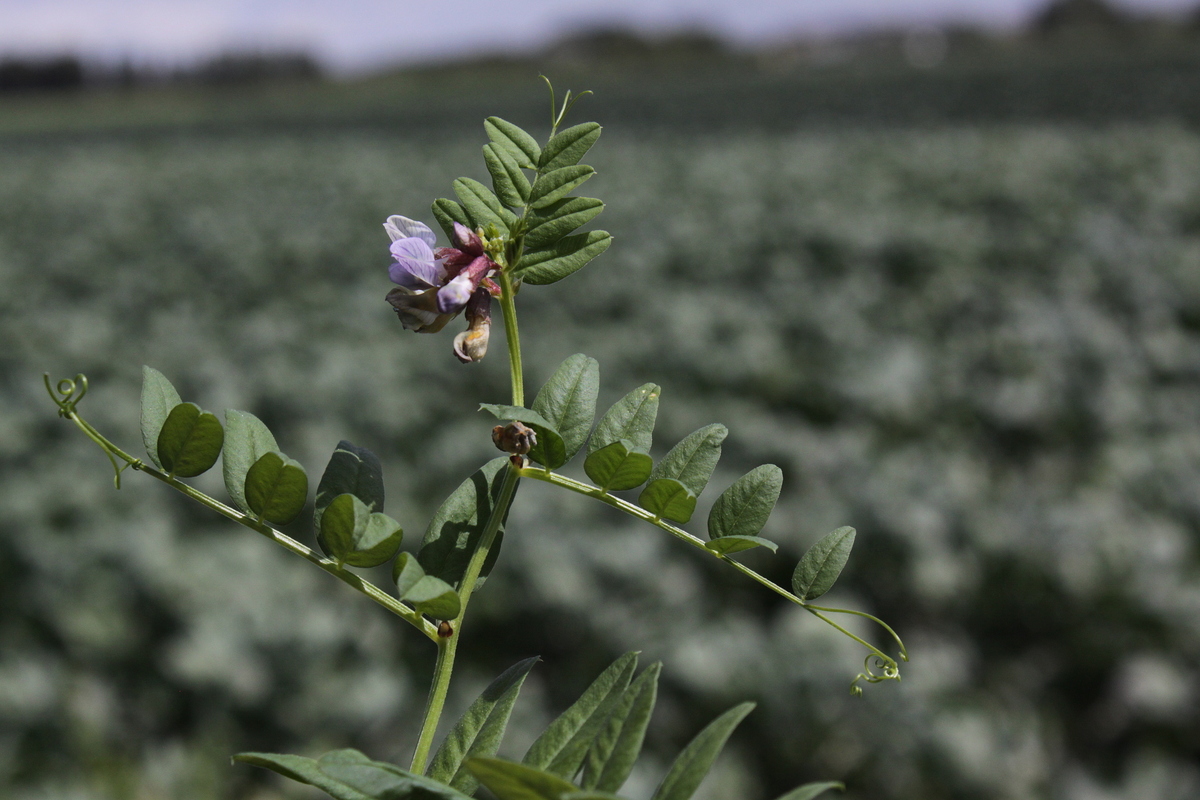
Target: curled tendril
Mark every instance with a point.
(66, 394)
(875, 661)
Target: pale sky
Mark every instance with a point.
(352, 35)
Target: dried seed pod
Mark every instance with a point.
(515, 438)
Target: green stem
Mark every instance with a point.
(509, 307)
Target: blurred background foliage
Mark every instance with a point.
(953, 291)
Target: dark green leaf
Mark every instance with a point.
(566, 147)
(568, 401)
(568, 255)
(304, 770)
(562, 747)
(553, 186)
(276, 488)
(511, 185)
(435, 597)
(511, 781)
(246, 441)
(548, 225)
(669, 499)
(448, 212)
(618, 466)
(593, 795)
(353, 534)
(351, 470)
(728, 545)
(632, 417)
(453, 533)
(477, 734)
(482, 205)
(380, 780)
(550, 451)
(519, 144)
(158, 398)
(693, 763)
(743, 508)
(692, 461)
(610, 758)
(810, 790)
(190, 441)
(821, 565)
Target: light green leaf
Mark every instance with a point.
(190, 441)
(728, 545)
(351, 470)
(276, 488)
(553, 186)
(435, 597)
(743, 508)
(510, 183)
(548, 225)
(810, 790)
(478, 733)
(632, 417)
(380, 780)
(568, 146)
(519, 144)
(669, 499)
(568, 401)
(353, 534)
(453, 533)
(247, 440)
(692, 461)
(482, 205)
(406, 571)
(511, 781)
(550, 450)
(304, 770)
(562, 747)
(158, 398)
(821, 565)
(448, 212)
(693, 763)
(612, 755)
(567, 255)
(618, 466)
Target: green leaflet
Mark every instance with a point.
(567, 255)
(353, 534)
(561, 748)
(550, 450)
(632, 417)
(482, 205)
(810, 790)
(553, 186)
(350, 775)
(568, 401)
(479, 731)
(618, 466)
(743, 508)
(454, 531)
(548, 225)
(520, 145)
(427, 594)
(669, 499)
(510, 183)
(511, 781)
(728, 545)
(610, 758)
(247, 440)
(190, 441)
(568, 146)
(448, 212)
(351, 470)
(821, 565)
(304, 770)
(693, 763)
(158, 398)
(692, 461)
(276, 488)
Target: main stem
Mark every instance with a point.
(448, 646)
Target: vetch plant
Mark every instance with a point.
(520, 231)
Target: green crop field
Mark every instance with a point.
(978, 342)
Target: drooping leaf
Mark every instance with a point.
(548, 225)
(669, 499)
(351, 470)
(276, 488)
(406, 571)
(190, 441)
(519, 144)
(618, 466)
(510, 183)
(743, 508)
(728, 545)
(555, 185)
(810, 790)
(692, 461)
(612, 755)
(561, 748)
(435, 597)
(566, 147)
(447, 212)
(693, 763)
(482, 205)
(821, 565)
(353, 534)
(567, 255)
(158, 398)
(511, 781)
(632, 417)
(478, 732)
(304, 770)
(453, 533)
(380, 780)
(247, 440)
(568, 401)
(550, 451)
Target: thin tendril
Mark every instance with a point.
(66, 394)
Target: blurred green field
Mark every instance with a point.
(975, 340)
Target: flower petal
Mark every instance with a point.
(455, 294)
(399, 227)
(418, 311)
(415, 267)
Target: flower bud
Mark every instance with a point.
(515, 438)
(471, 344)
